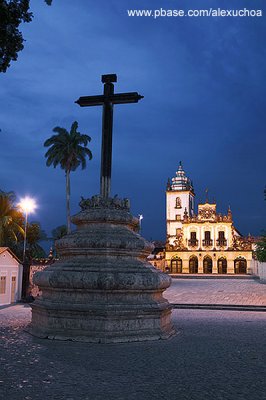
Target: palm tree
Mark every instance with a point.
(34, 235)
(59, 232)
(68, 149)
(11, 220)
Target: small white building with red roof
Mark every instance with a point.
(10, 277)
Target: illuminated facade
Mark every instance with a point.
(206, 242)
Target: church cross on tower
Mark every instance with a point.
(107, 100)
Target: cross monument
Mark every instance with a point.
(107, 100)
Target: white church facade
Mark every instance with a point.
(205, 242)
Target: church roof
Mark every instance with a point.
(180, 182)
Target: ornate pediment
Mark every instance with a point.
(207, 212)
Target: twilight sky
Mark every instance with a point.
(205, 104)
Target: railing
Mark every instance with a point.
(207, 242)
(221, 242)
(193, 242)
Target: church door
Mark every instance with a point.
(193, 265)
(240, 266)
(222, 266)
(207, 265)
(176, 266)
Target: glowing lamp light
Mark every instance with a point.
(27, 205)
(140, 217)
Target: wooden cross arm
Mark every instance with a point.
(122, 98)
(86, 101)
(118, 98)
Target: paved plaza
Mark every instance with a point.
(217, 291)
(216, 355)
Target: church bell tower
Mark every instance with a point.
(179, 202)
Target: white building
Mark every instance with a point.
(10, 277)
(206, 242)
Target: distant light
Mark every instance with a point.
(140, 217)
(27, 205)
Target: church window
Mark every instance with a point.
(178, 203)
(3, 285)
(193, 239)
(221, 239)
(207, 239)
(207, 235)
(221, 235)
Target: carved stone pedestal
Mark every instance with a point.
(102, 289)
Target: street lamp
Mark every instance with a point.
(140, 219)
(27, 206)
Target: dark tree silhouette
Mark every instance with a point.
(12, 14)
(11, 220)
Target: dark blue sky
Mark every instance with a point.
(205, 104)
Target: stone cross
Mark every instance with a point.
(107, 100)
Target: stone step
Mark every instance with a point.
(231, 307)
(212, 276)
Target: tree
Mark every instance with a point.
(59, 232)
(68, 149)
(12, 14)
(34, 235)
(11, 220)
(12, 223)
(261, 249)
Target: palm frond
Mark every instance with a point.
(60, 131)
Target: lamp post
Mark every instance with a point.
(140, 219)
(27, 206)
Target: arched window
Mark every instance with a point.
(240, 264)
(222, 265)
(193, 265)
(178, 203)
(176, 266)
(207, 265)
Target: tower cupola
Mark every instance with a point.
(181, 182)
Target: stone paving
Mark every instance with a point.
(216, 355)
(217, 291)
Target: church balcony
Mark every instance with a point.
(221, 242)
(207, 242)
(193, 243)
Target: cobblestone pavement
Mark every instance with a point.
(217, 355)
(217, 291)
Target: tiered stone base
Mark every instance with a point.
(102, 289)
